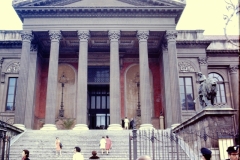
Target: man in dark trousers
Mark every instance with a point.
(94, 153)
(206, 154)
(233, 152)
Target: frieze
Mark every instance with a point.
(142, 35)
(13, 68)
(136, 60)
(27, 36)
(185, 67)
(114, 34)
(84, 35)
(203, 60)
(171, 35)
(233, 69)
(55, 35)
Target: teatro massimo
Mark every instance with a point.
(91, 63)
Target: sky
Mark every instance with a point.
(204, 15)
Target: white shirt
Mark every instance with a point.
(78, 156)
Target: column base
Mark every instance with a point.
(146, 127)
(115, 127)
(20, 126)
(175, 125)
(49, 127)
(81, 127)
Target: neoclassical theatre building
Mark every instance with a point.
(93, 62)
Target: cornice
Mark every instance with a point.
(193, 43)
(58, 11)
(10, 44)
(223, 51)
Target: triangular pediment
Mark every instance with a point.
(99, 3)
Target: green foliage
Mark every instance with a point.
(67, 124)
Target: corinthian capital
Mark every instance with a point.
(171, 35)
(233, 69)
(142, 35)
(203, 60)
(83, 35)
(55, 35)
(27, 36)
(114, 35)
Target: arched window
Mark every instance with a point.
(221, 98)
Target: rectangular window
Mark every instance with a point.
(11, 94)
(186, 93)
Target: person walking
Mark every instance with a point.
(233, 153)
(25, 154)
(126, 121)
(77, 155)
(108, 144)
(94, 155)
(206, 154)
(102, 144)
(57, 146)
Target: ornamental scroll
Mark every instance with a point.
(13, 68)
(185, 67)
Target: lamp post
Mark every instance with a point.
(137, 81)
(62, 80)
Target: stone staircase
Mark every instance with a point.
(41, 144)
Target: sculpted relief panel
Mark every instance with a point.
(185, 66)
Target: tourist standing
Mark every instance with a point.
(108, 144)
(25, 154)
(126, 121)
(102, 144)
(77, 155)
(132, 123)
(57, 146)
(94, 155)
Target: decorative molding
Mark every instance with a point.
(203, 60)
(185, 67)
(27, 36)
(233, 69)
(2, 77)
(1, 62)
(55, 35)
(114, 35)
(83, 35)
(34, 48)
(171, 35)
(142, 35)
(13, 68)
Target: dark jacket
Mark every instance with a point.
(94, 157)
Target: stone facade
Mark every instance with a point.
(109, 35)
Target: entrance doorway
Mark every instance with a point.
(98, 110)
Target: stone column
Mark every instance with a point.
(115, 103)
(81, 117)
(167, 90)
(234, 79)
(51, 101)
(30, 101)
(21, 92)
(174, 78)
(145, 94)
(203, 64)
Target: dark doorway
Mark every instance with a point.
(98, 110)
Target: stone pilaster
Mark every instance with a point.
(21, 92)
(234, 79)
(167, 90)
(115, 107)
(174, 78)
(203, 64)
(81, 116)
(30, 101)
(51, 102)
(145, 94)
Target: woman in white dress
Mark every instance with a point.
(102, 144)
